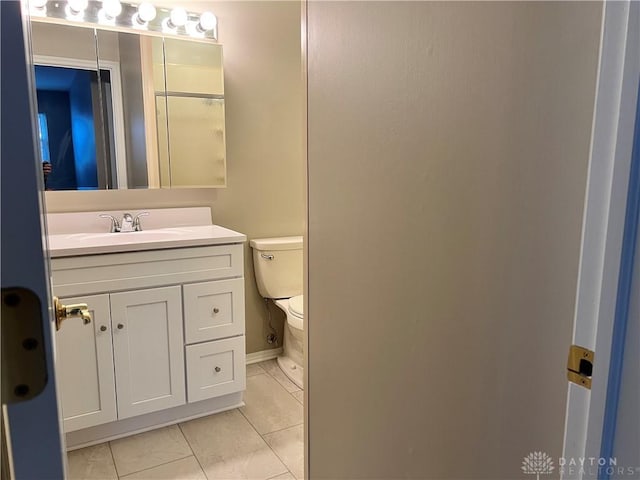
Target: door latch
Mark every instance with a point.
(580, 366)
(64, 312)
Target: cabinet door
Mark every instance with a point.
(213, 310)
(148, 350)
(85, 366)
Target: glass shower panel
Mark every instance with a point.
(196, 141)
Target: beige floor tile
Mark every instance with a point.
(149, 449)
(185, 469)
(254, 369)
(268, 406)
(289, 446)
(299, 395)
(284, 476)
(228, 447)
(92, 463)
(272, 368)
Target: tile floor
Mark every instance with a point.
(262, 440)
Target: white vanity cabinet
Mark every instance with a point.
(166, 341)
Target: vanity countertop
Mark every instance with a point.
(75, 244)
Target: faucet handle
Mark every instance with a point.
(137, 226)
(115, 225)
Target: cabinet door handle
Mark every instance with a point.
(120, 326)
(216, 310)
(103, 328)
(217, 369)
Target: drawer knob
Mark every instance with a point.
(103, 328)
(217, 369)
(120, 326)
(216, 310)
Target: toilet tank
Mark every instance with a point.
(277, 263)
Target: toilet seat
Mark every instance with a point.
(295, 316)
(296, 306)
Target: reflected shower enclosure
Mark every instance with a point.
(71, 126)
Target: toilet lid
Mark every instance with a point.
(296, 305)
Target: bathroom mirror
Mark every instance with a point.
(125, 110)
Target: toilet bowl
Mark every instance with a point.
(277, 263)
(291, 360)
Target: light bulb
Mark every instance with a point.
(207, 21)
(146, 12)
(178, 17)
(111, 8)
(77, 6)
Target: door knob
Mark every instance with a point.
(120, 326)
(64, 312)
(217, 369)
(103, 328)
(216, 310)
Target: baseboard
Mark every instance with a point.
(151, 421)
(263, 355)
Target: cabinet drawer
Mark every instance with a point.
(215, 368)
(213, 310)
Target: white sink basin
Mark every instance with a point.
(74, 244)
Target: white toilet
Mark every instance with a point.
(277, 263)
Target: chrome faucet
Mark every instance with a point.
(115, 225)
(137, 226)
(128, 223)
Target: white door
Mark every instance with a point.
(148, 350)
(32, 427)
(85, 367)
(603, 238)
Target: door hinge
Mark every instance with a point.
(24, 364)
(580, 366)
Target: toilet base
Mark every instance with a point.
(291, 369)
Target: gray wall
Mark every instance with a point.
(447, 161)
(264, 128)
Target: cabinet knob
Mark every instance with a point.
(217, 369)
(216, 310)
(103, 328)
(120, 326)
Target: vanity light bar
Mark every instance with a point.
(123, 16)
